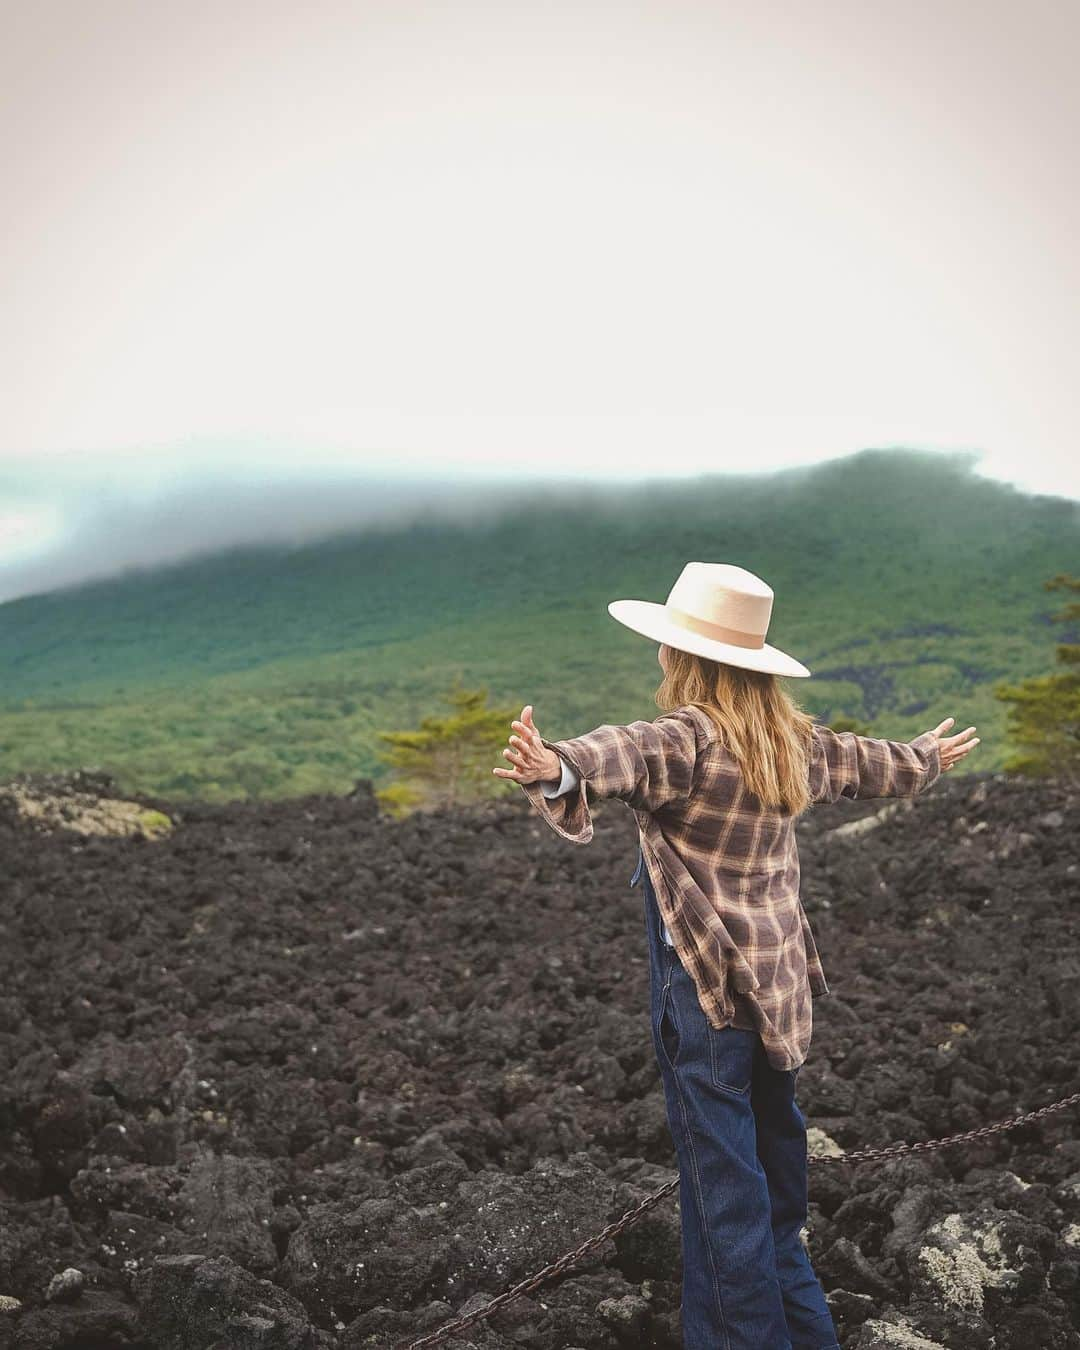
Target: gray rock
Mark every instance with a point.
(66, 1286)
(97, 1317)
(651, 1247)
(909, 1219)
(442, 1231)
(846, 1263)
(191, 1300)
(877, 1335)
(228, 1209)
(138, 1073)
(959, 1261)
(626, 1314)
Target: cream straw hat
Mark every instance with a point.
(716, 610)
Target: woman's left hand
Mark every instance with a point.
(534, 762)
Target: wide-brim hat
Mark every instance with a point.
(716, 610)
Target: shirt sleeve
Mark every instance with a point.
(648, 765)
(846, 765)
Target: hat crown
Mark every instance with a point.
(717, 611)
(722, 595)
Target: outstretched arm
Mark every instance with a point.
(645, 764)
(846, 765)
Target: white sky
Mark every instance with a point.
(596, 239)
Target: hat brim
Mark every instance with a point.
(651, 620)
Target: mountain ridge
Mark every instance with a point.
(906, 584)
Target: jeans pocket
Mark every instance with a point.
(666, 1028)
(731, 1058)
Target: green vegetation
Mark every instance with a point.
(1044, 721)
(448, 760)
(154, 824)
(907, 584)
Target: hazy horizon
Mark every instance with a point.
(289, 248)
(128, 525)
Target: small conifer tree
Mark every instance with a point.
(447, 760)
(1044, 720)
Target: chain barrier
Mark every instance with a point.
(549, 1272)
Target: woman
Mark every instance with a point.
(716, 784)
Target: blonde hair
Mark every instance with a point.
(759, 723)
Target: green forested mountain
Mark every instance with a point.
(906, 583)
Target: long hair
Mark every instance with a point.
(759, 722)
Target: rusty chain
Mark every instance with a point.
(571, 1258)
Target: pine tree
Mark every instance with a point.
(447, 760)
(1044, 720)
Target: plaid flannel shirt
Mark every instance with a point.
(724, 868)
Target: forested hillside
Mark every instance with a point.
(907, 584)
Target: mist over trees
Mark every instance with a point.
(909, 586)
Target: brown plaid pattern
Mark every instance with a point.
(725, 869)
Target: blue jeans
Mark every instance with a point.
(740, 1140)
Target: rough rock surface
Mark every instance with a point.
(56, 802)
(299, 1075)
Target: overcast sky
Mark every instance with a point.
(278, 239)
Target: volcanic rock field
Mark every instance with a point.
(297, 1075)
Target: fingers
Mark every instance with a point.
(961, 740)
(956, 752)
(524, 756)
(522, 749)
(517, 760)
(528, 730)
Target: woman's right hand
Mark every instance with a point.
(953, 748)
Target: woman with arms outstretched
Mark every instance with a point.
(716, 784)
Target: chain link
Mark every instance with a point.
(549, 1272)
